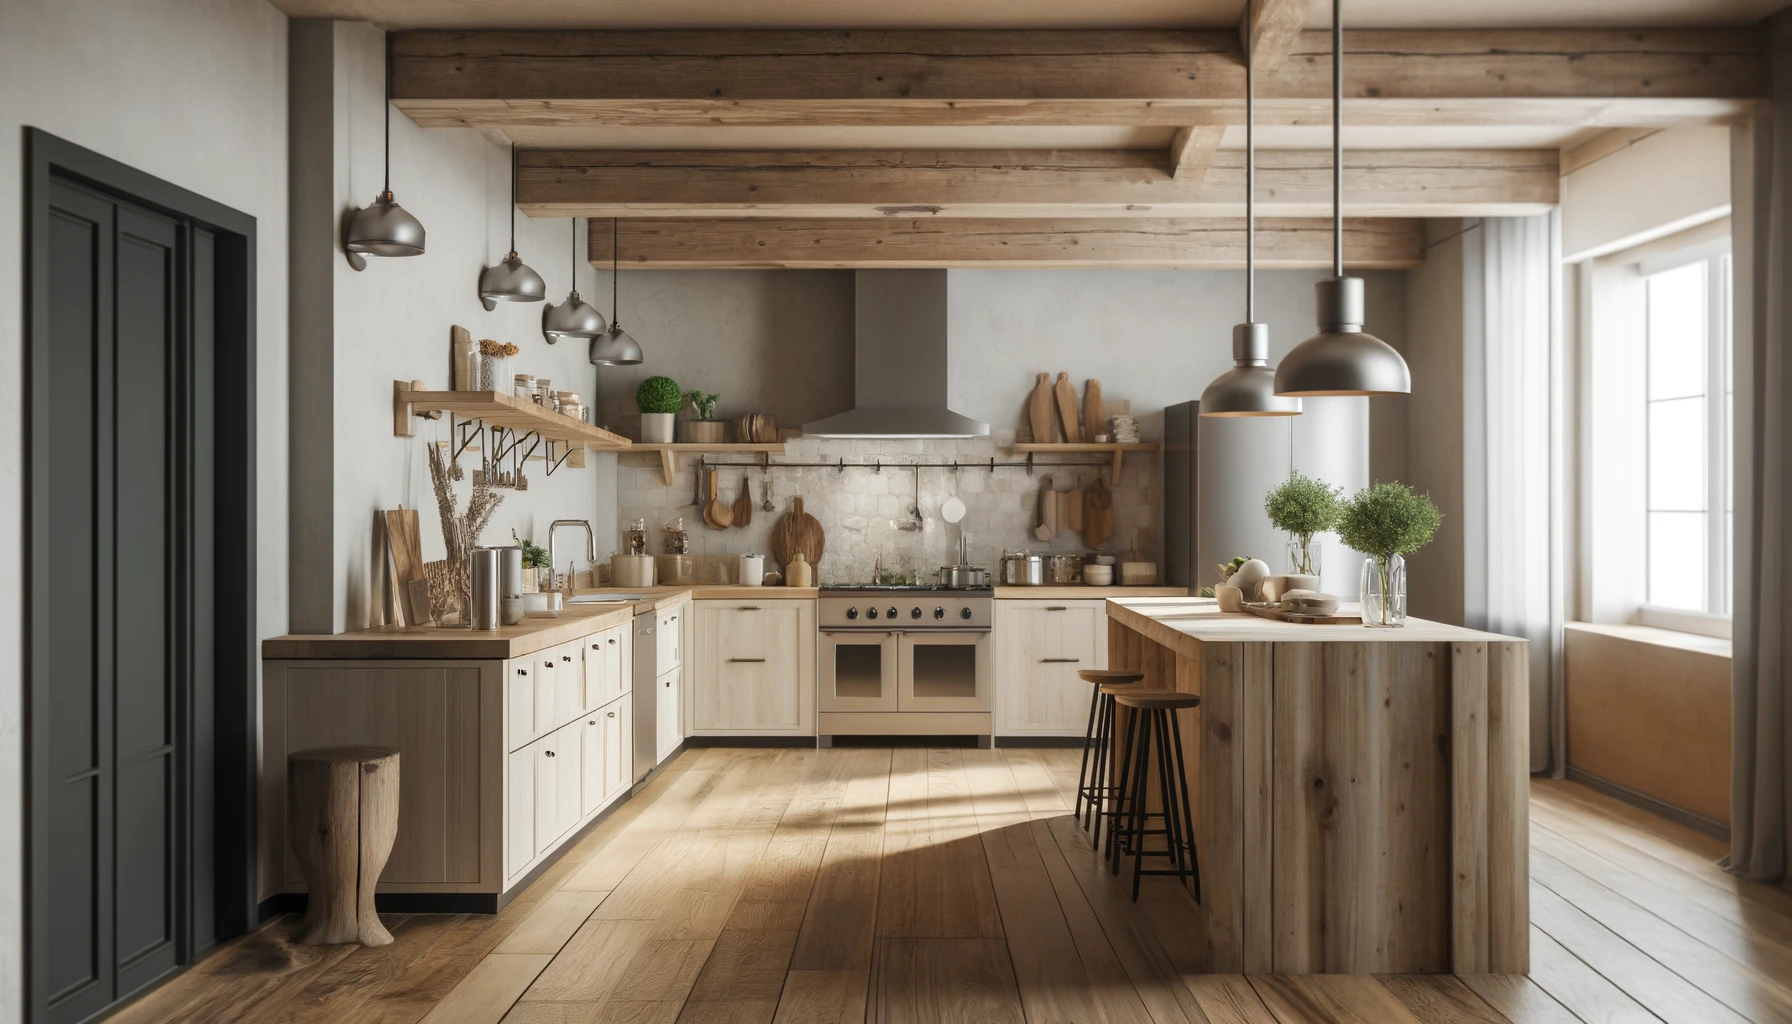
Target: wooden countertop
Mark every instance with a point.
(1183, 623)
(1084, 592)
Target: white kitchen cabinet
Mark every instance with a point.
(604, 755)
(607, 665)
(619, 747)
(519, 697)
(1040, 647)
(667, 702)
(547, 792)
(569, 681)
(751, 668)
(519, 809)
(669, 633)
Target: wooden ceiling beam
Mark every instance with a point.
(1009, 184)
(1192, 150)
(1272, 31)
(691, 244)
(1152, 77)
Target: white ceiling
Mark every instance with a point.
(972, 14)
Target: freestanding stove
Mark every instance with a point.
(904, 660)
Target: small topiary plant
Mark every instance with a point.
(1387, 520)
(659, 395)
(1303, 506)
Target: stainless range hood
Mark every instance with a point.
(900, 358)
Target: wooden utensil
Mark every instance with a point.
(1070, 505)
(1039, 411)
(716, 514)
(743, 502)
(1066, 393)
(798, 531)
(1046, 501)
(1098, 513)
(404, 563)
(1095, 417)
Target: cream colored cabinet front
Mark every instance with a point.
(1040, 647)
(618, 747)
(669, 634)
(519, 809)
(666, 709)
(752, 667)
(607, 660)
(604, 755)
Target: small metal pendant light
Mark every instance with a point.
(1341, 359)
(615, 347)
(574, 318)
(511, 280)
(1248, 389)
(383, 228)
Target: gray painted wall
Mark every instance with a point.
(193, 92)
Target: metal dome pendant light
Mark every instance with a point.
(383, 228)
(615, 347)
(1249, 388)
(511, 280)
(574, 318)
(1341, 359)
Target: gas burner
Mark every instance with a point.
(899, 588)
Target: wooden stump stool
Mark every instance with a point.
(342, 814)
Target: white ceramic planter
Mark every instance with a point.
(657, 427)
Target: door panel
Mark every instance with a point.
(858, 672)
(593, 759)
(747, 666)
(943, 672)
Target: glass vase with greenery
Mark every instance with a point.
(1386, 522)
(1302, 507)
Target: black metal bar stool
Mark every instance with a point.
(1095, 780)
(1153, 723)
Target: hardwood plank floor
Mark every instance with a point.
(784, 886)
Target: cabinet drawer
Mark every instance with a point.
(667, 633)
(569, 682)
(519, 701)
(747, 662)
(606, 666)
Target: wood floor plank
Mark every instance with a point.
(1440, 998)
(745, 966)
(1228, 999)
(593, 963)
(1586, 993)
(1652, 984)
(554, 921)
(943, 981)
(823, 997)
(1518, 999)
(1039, 791)
(841, 916)
(934, 875)
(1330, 998)
(486, 994)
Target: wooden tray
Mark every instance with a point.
(1280, 615)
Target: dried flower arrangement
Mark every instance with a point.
(460, 532)
(488, 347)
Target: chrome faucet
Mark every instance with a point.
(590, 546)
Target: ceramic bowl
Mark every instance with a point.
(1098, 575)
(1231, 599)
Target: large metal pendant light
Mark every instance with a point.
(1249, 388)
(1341, 359)
(511, 280)
(574, 318)
(383, 228)
(615, 347)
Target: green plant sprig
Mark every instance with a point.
(705, 404)
(1388, 519)
(534, 555)
(1303, 506)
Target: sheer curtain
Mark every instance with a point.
(1513, 462)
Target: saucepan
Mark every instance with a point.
(959, 577)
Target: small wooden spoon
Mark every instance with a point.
(716, 514)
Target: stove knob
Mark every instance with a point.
(852, 613)
(892, 612)
(871, 613)
(914, 613)
(964, 613)
(939, 613)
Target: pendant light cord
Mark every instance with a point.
(615, 236)
(1337, 138)
(575, 255)
(386, 74)
(1250, 163)
(513, 197)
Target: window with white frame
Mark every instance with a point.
(1689, 517)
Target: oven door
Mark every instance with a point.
(858, 671)
(944, 671)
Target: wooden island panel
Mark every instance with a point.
(1360, 797)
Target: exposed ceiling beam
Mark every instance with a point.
(1192, 149)
(1003, 184)
(1273, 30)
(1170, 78)
(1039, 243)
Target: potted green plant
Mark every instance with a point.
(659, 400)
(1302, 506)
(705, 429)
(1386, 522)
(535, 560)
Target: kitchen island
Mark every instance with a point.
(1360, 794)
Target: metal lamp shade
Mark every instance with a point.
(1249, 388)
(1341, 359)
(512, 281)
(615, 348)
(574, 318)
(384, 229)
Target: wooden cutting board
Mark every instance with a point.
(743, 503)
(1071, 517)
(1095, 418)
(1098, 513)
(798, 531)
(1067, 408)
(1040, 416)
(404, 563)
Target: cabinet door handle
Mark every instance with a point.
(747, 608)
(592, 722)
(522, 671)
(595, 647)
(1056, 661)
(610, 715)
(1056, 608)
(612, 642)
(550, 753)
(566, 657)
(547, 664)
(750, 660)
(668, 684)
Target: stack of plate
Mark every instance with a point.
(1126, 430)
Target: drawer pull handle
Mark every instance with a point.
(566, 657)
(754, 661)
(1056, 608)
(547, 664)
(550, 753)
(611, 715)
(592, 722)
(612, 642)
(1057, 661)
(747, 608)
(522, 671)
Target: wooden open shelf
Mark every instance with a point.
(498, 409)
(1117, 449)
(669, 453)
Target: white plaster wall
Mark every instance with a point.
(393, 320)
(194, 92)
(1666, 182)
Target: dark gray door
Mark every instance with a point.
(124, 347)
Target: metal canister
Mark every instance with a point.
(1023, 570)
(484, 579)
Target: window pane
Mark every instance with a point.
(1677, 455)
(1677, 332)
(1677, 560)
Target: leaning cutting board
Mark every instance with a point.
(1095, 417)
(1066, 393)
(1040, 415)
(798, 531)
(1098, 513)
(404, 563)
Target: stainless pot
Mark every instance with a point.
(959, 577)
(1023, 570)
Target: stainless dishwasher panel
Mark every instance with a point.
(643, 701)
